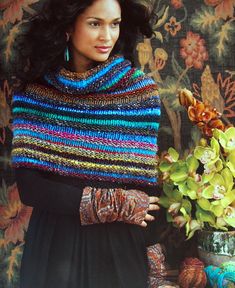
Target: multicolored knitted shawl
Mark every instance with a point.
(99, 125)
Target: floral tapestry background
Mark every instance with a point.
(193, 47)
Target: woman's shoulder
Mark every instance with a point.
(28, 87)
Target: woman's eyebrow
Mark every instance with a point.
(97, 18)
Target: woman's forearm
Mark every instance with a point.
(39, 191)
(95, 205)
(109, 205)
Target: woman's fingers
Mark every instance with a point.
(153, 207)
(149, 217)
(152, 203)
(143, 224)
(153, 199)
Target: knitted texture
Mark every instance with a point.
(108, 205)
(100, 125)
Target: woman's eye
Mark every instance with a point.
(94, 24)
(116, 24)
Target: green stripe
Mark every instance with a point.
(136, 74)
(112, 83)
(152, 125)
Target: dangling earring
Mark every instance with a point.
(66, 52)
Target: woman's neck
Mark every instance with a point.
(80, 64)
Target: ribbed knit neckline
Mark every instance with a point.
(101, 78)
(84, 75)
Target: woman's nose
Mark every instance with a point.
(105, 33)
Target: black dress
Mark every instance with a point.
(60, 253)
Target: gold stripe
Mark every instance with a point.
(52, 93)
(83, 151)
(82, 165)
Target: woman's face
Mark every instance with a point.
(95, 33)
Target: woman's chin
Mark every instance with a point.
(101, 57)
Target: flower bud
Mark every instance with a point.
(186, 98)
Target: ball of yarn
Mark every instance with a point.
(221, 277)
(192, 274)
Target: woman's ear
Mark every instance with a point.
(67, 36)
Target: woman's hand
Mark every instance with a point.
(152, 207)
(106, 205)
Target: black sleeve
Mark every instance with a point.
(39, 190)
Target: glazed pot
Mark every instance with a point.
(216, 247)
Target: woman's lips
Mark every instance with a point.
(103, 49)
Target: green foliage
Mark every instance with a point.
(220, 32)
(205, 20)
(200, 189)
(221, 40)
(10, 259)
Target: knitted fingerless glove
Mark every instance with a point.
(156, 263)
(157, 268)
(100, 205)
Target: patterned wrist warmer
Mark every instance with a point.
(156, 263)
(100, 205)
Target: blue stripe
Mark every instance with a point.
(19, 159)
(86, 82)
(134, 124)
(133, 112)
(24, 132)
(100, 134)
(116, 77)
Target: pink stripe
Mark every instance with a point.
(70, 136)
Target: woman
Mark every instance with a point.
(84, 147)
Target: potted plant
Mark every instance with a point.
(199, 188)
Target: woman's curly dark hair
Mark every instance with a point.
(46, 38)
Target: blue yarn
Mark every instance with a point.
(226, 276)
(42, 136)
(221, 277)
(115, 78)
(129, 112)
(69, 170)
(111, 135)
(83, 83)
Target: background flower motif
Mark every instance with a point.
(160, 56)
(177, 3)
(14, 217)
(224, 8)
(226, 87)
(193, 50)
(144, 53)
(172, 26)
(13, 9)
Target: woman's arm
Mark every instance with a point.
(39, 191)
(95, 205)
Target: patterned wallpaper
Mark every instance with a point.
(193, 47)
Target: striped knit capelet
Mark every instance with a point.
(98, 125)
